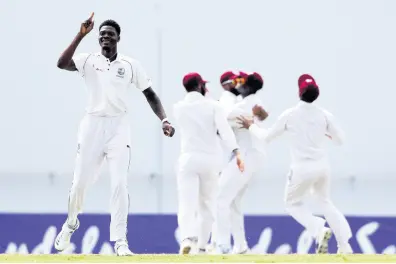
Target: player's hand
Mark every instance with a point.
(168, 129)
(87, 25)
(240, 163)
(259, 112)
(245, 122)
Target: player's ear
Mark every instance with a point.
(119, 38)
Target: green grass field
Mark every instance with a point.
(199, 259)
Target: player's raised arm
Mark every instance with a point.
(65, 61)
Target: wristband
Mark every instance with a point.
(165, 120)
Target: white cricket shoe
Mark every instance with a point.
(222, 250)
(322, 241)
(187, 245)
(347, 249)
(210, 249)
(244, 250)
(62, 240)
(121, 248)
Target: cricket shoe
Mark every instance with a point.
(347, 249)
(121, 248)
(62, 240)
(210, 249)
(237, 251)
(187, 245)
(222, 250)
(322, 241)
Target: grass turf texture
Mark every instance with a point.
(164, 258)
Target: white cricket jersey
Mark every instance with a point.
(108, 82)
(244, 108)
(199, 119)
(228, 99)
(308, 126)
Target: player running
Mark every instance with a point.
(104, 131)
(309, 126)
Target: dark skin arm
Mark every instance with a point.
(259, 112)
(65, 62)
(158, 109)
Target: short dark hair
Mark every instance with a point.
(111, 23)
(191, 85)
(254, 83)
(310, 94)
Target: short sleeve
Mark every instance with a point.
(140, 78)
(80, 60)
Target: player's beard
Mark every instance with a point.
(235, 91)
(203, 91)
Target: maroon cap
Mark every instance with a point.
(228, 75)
(304, 81)
(256, 76)
(254, 80)
(242, 74)
(193, 76)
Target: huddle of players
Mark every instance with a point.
(211, 203)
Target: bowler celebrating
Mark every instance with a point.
(104, 131)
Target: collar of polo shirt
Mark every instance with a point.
(105, 62)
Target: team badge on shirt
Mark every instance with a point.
(121, 72)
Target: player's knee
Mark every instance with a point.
(223, 203)
(326, 205)
(324, 201)
(290, 205)
(80, 183)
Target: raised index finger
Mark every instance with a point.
(91, 17)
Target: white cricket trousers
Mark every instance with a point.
(303, 178)
(101, 138)
(232, 187)
(197, 179)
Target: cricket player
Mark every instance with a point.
(200, 119)
(228, 99)
(309, 126)
(233, 183)
(230, 94)
(104, 131)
